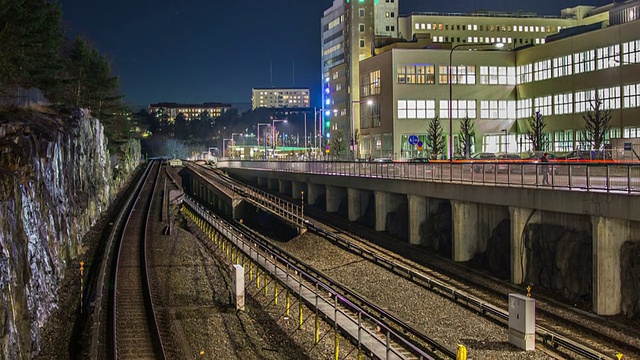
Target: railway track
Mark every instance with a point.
(135, 330)
(353, 242)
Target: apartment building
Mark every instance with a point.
(280, 98)
(401, 89)
(190, 111)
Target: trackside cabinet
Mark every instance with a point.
(522, 322)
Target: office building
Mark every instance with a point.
(280, 98)
(402, 89)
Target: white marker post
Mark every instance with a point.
(238, 288)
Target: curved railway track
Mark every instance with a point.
(135, 330)
(352, 241)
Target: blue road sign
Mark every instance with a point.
(413, 140)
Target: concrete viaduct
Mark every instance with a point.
(611, 218)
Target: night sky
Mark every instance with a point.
(195, 51)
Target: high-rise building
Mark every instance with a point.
(280, 98)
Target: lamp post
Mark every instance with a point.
(265, 138)
(498, 45)
(506, 140)
(273, 132)
(353, 127)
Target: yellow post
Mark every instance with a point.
(337, 350)
(81, 284)
(288, 303)
(258, 278)
(317, 323)
(275, 293)
(619, 356)
(462, 353)
(300, 315)
(266, 284)
(529, 291)
(250, 271)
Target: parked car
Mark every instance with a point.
(481, 158)
(508, 162)
(382, 160)
(419, 160)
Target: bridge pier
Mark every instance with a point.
(385, 203)
(314, 192)
(520, 217)
(273, 184)
(465, 236)
(284, 187)
(297, 187)
(417, 216)
(334, 195)
(358, 201)
(608, 236)
(262, 181)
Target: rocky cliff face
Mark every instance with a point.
(56, 179)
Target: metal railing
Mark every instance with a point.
(582, 176)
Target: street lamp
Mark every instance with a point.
(506, 140)
(498, 45)
(273, 132)
(265, 138)
(353, 126)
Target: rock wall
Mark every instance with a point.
(630, 278)
(56, 179)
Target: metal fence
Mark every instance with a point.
(579, 176)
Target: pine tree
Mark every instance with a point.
(536, 134)
(466, 137)
(435, 141)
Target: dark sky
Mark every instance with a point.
(216, 50)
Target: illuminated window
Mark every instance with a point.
(563, 103)
(584, 61)
(583, 100)
(608, 56)
(631, 52)
(459, 109)
(416, 109)
(543, 105)
(610, 97)
(497, 109)
(542, 70)
(562, 66)
(631, 96)
(524, 108)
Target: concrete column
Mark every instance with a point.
(262, 181)
(273, 184)
(334, 195)
(284, 187)
(314, 191)
(417, 216)
(608, 237)
(296, 189)
(520, 217)
(382, 204)
(465, 230)
(358, 201)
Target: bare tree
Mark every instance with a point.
(536, 134)
(435, 141)
(596, 124)
(466, 137)
(338, 144)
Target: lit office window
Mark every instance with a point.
(631, 52)
(497, 109)
(583, 100)
(524, 108)
(584, 61)
(497, 75)
(524, 74)
(563, 140)
(416, 74)
(542, 70)
(563, 103)
(610, 97)
(417, 26)
(562, 66)
(631, 132)
(608, 56)
(543, 105)
(631, 96)
(460, 109)
(416, 109)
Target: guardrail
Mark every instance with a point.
(583, 176)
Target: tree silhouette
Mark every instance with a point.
(338, 144)
(536, 134)
(596, 125)
(435, 141)
(466, 137)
